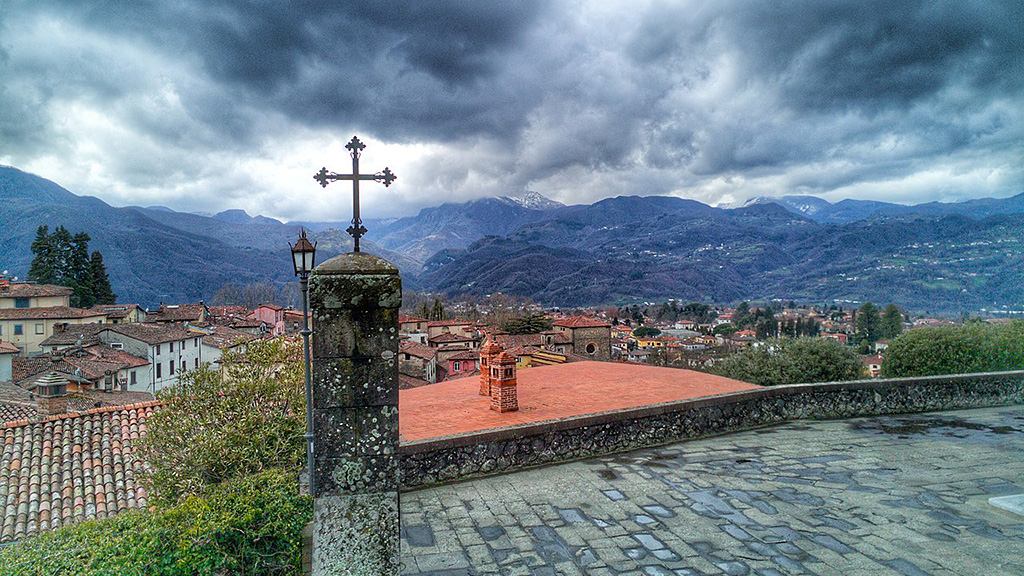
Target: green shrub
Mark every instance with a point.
(973, 347)
(218, 425)
(792, 361)
(245, 526)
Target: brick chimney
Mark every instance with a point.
(503, 383)
(52, 390)
(487, 353)
(5, 284)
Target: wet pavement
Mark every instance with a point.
(905, 495)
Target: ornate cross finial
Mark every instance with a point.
(385, 177)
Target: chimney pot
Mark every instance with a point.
(52, 390)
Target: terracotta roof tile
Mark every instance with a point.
(66, 469)
(8, 348)
(28, 290)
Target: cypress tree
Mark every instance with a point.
(102, 290)
(80, 272)
(43, 267)
(892, 321)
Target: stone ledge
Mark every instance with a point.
(459, 456)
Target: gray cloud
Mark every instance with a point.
(713, 101)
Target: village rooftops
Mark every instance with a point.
(48, 312)
(551, 393)
(225, 338)
(449, 338)
(179, 313)
(227, 311)
(29, 290)
(8, 348)
(70, 335)
(152, 333)
(114, 310)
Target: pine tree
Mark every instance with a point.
(43, 268)
(102, 290)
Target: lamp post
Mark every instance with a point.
(303, 257)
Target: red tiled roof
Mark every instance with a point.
(580, 322)
(274, 307)
(48, 312)
(418, 350)
(551, 393)
(8, 348)
(70, 468)
(466, 355)
(406, 318)
(446, 338)
(27, 290)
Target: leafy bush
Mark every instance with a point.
(247, 526)
(219, 425)
(792, 361)
(973, 347)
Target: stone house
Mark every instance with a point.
(27, 328)
(590, 337)
(418, 361)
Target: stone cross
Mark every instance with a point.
(354, 301)
(355, 148)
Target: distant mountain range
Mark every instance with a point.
(932, 257)
(158, 255)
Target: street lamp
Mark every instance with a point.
(303, 258)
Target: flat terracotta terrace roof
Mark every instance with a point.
(551, 393)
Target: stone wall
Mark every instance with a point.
(461, 456)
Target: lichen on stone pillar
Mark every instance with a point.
(354, 302)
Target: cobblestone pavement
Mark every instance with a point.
(889, 495)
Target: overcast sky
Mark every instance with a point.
(203, 105)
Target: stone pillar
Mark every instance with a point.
(354, 301)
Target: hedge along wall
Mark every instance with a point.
(461, 456)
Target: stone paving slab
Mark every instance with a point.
(904, 495)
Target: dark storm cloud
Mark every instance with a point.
(582, 100)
